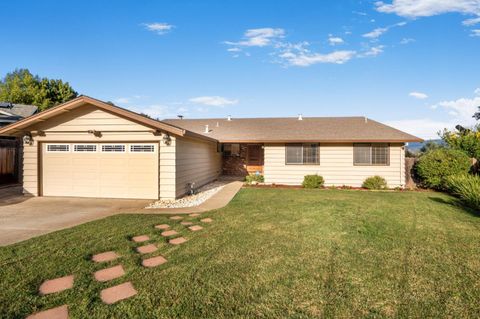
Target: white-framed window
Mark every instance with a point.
(58, 148)
(142, 148)
(113, 148)
(84, 148)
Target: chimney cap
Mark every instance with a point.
(180, 116)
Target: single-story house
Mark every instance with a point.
(89, 148)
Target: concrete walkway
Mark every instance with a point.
(24, 217)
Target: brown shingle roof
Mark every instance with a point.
(310, 129)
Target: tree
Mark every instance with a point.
(476, 115)
(21, 86)
(464, 139)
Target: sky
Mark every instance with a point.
(412, 64)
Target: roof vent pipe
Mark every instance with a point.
(229, 118)
(366, 120)
(218, 124)
(206, 129)
(300, 118)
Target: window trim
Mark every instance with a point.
(68, 145)
(142, 144)
(113, 144)
(388, 145)
(303, 145)
(84, 152)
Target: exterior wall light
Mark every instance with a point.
(167, 140)
(27, 139)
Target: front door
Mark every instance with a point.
(255, 158)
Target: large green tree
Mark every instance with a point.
(21, 86)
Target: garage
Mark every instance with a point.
(101, 170)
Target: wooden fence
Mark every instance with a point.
(9, 160)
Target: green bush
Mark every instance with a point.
(466, 187)
(254, 178)
(375, 182)
(435, 166)
(313, 181)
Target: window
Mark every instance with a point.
(231, 149)
(83, 148)
(58, 148)
(113, 148)
(142, 148)
(302, 154)
(371, 154)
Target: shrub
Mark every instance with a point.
(435, 166)
(375, 182)
(254, 178)
(466, 187)
(313, 181)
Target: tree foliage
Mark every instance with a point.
(21, 86)
(464, 139)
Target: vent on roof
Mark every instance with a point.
(300, 118)
(206, 129)
(180, 116)
(229, 118)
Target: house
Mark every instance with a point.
(10, 113)
(89, 148)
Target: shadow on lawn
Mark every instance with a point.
(455, 202)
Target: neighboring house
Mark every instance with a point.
(11, 113)
(89, 148)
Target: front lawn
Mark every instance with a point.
(270, 253)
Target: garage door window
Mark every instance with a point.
(142, 148)
(58, 148)
(84, 148)
(113, 148)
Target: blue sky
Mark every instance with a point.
(413, 64)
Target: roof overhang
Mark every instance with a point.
(319, 141)
(22, 125)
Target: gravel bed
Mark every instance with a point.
(203, 193)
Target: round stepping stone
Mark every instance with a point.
(177, 241)
(139, 239)
(162, 226)
(54, 313)
(206, 220)
(168, 233)
(176, 217)
(195, 227)
(106, 256)
(186, 223)
(56, 285)
(116, 293)
(109, 273)
(153, 262)
(194, 215)
(147, 249)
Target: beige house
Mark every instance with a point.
(88, 148)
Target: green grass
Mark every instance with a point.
(270, 253)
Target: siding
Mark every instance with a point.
(167, 169)
(196, 161)
(30, 169)
(336, 166)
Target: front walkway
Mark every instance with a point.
(23, 217)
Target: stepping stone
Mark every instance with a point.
(54, 313)
(139, 239)
(186, 223)
(153, 262)
(194, 215)
(106, 256)
(177, 241)
(168, 233)
(116, 293)
(206, 220)
(109, 273)
(56, 285)
(176, 217)
(195, 227)
(147, 249)
(162, 226)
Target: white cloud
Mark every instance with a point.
(425, 128)
(298, 54)
(335, 40)
(475, 33)
(407, 40)
(213, 100)
(372, 52)
(259, 37)
(375, 33)
(462, 109)
(158, 27)
(477, 91)
(122, 100)
(234, 49)
(418, 95)
(427, 8)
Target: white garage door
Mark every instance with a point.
(115, 170)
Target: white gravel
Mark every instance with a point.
(203, 193)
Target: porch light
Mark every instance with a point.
(27, 139)
(167, 139)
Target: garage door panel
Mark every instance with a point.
(100, 174)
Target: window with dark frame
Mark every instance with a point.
(302, 154)
(371, 154)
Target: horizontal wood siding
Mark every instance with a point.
(167, 169)
(30, 169)
(336, 166)
(196, 162)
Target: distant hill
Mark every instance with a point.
(416, 146)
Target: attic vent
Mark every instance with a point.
(300, 118)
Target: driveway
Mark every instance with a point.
(22, 217)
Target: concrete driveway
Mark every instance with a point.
(22, 217)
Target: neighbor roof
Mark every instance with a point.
(291, 129)
(10, 113)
